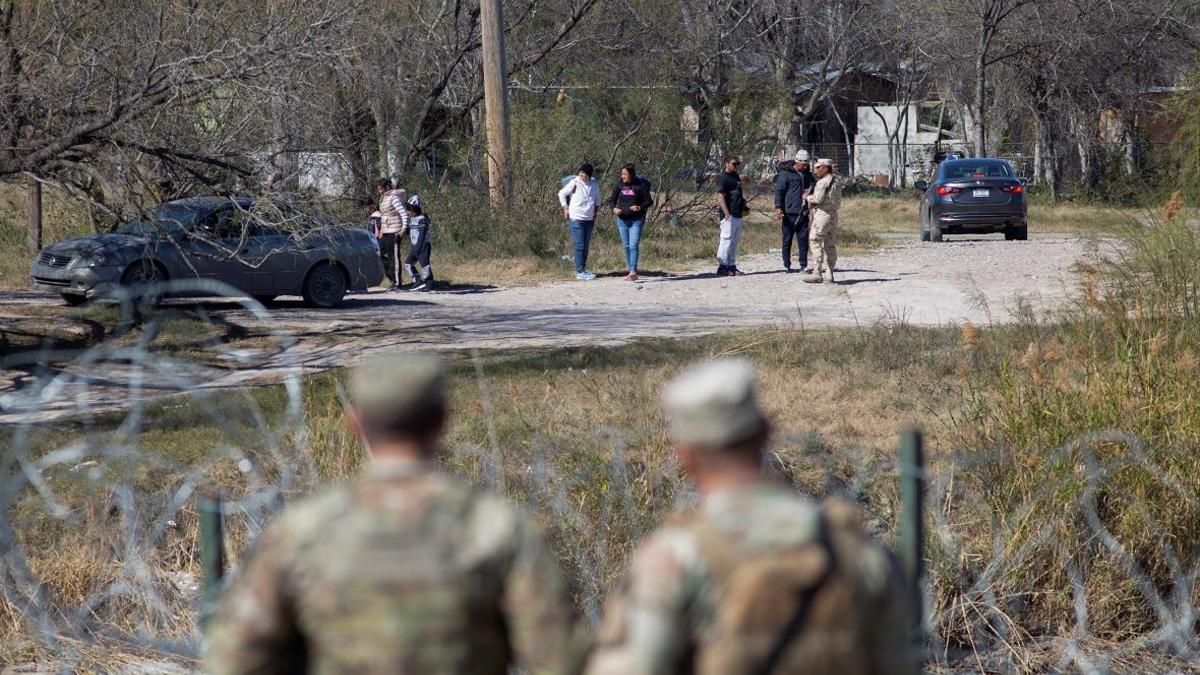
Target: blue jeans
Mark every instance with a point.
(581, 234)
(631, 237)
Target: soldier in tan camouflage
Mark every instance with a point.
(824, 201)
(756, 579)
(404, 571)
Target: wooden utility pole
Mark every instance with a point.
(33, 216)
(495, 100)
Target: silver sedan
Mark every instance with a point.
(257, 251)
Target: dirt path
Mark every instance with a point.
(975, 280)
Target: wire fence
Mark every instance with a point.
(99, 527)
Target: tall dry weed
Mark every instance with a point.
(1096, 524)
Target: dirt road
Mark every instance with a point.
(977, 280)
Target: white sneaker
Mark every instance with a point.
(585, 276)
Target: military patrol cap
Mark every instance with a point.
(399, 392)
(713, 405)
(825, 161)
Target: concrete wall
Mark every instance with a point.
(875, 125)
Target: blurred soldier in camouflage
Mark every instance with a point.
(824, 201)
(755, 580)
(404, 571)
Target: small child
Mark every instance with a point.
(418, 255)
(373, 218)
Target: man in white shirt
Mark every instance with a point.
(579, 199)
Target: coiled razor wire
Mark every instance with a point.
(273, 462)
(132, 377)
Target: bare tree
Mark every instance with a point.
(78, 86)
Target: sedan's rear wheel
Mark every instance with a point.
(325, 286)
(935, 232)
(924, 235)
(72, 299)
(1016, 233)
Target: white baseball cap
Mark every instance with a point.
(802, 156)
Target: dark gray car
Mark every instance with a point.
(215, 238)
(973, 196)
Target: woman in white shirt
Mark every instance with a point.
(579, 198)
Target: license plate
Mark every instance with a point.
(979, 193)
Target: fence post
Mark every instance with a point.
(912, 524)
(212, 552)
(33, 216)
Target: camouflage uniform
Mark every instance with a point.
(403, 571)
(662, 619)
(713, 591)
(825, 200)
(407, 571)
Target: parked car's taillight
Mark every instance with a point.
(1015, 188)
(945, 190)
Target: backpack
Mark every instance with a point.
(788, 611)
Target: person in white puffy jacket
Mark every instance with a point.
(579, 199)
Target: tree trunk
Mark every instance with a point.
(1045, 166)
(1086, 165)
(966, 118)
(981, 97)
(395, 156)
(1129, 139)
(381, 142)
(1037, 151)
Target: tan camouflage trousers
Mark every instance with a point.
(821, 235)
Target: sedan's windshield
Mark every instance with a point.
(168, 219)
(961, 170)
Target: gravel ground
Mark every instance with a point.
(977, 280)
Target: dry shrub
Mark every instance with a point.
(1108, 520)
(1173, 206)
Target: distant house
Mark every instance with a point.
(898, 142)
(854, 121)
(832, 129)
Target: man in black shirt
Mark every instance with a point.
(732, 206)
(792, 184)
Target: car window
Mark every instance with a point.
(960, 170)
(233, 225)
(169, 219)
(226, 223)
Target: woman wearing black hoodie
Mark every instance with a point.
(630, 201)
